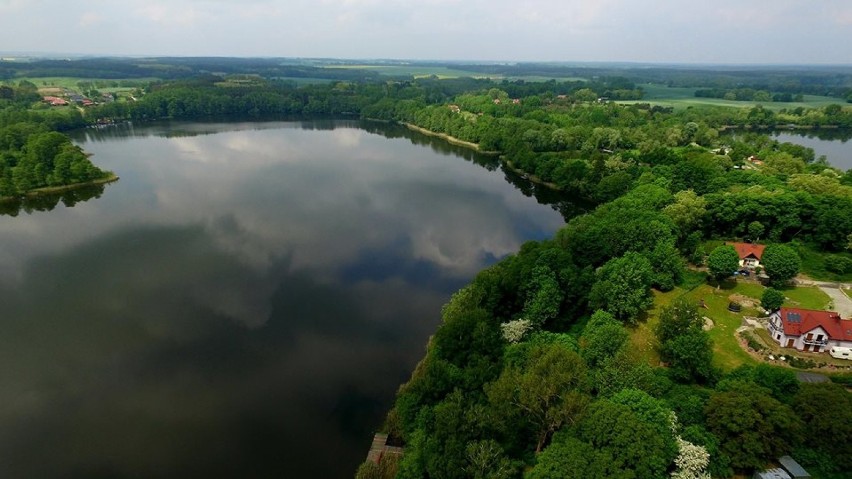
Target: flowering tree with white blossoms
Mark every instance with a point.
(692, 460)
(514, 331)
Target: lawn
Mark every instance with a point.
(727, 353)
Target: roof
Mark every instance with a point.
(799, 321)
(744, 250)
(791, 466)
(776, 473)
(804, 377)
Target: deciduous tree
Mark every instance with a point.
(603, 337)
(623, 287)
(722, 262)
(771, 299)
(781, 262)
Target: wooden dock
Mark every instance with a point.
(380, 448)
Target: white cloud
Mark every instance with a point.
(90, 19)
(602, 30)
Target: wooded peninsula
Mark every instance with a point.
(609, 350)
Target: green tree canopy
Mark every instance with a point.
(722, 262)
(677, 318)
(771, 299)
(752, 426)
(623, 287)
(547, 392)
(690, 356)
(602, 338)
(781, 262)
(570, 458)
(634, 444)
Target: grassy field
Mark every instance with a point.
(306, 81)
(420, 71)
(727, 352)
(71, 82)
(416, 71)
(682, 98)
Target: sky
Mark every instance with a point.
(655, 31)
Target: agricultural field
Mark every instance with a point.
(682, 98)
(45, 84)
(420, 71)
(416, 71)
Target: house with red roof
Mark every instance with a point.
(809, 329)
(54, 101)
(749, 254)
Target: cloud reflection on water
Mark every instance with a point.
(240, 300)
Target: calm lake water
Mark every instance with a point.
(244, 302)
(834, 144)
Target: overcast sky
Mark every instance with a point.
(694, 31)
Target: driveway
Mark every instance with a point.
(842, 303)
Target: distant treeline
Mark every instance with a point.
(173, 68)
(747, 94)
(834, 81)
(531, 373)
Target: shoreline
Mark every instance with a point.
(54, 190)
(474, 146)
(530, 177)
(450, 139)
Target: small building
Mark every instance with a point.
(775, 473)
(793, 468)
(455, 108)
(749, 253)
(790, 469)
(810, 330)
(54, 101)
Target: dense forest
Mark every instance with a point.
(530, 373)
(33, 153)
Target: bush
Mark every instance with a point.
(838, 264)
(752, 342)
(800, 363)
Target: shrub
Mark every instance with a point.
(752, 342)
(838, 264)
(800, 363)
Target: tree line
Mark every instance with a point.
(33, 152)
(529, 373)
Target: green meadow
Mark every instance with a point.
(681, 98)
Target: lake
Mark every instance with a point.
(245, 301)
(834, 144)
